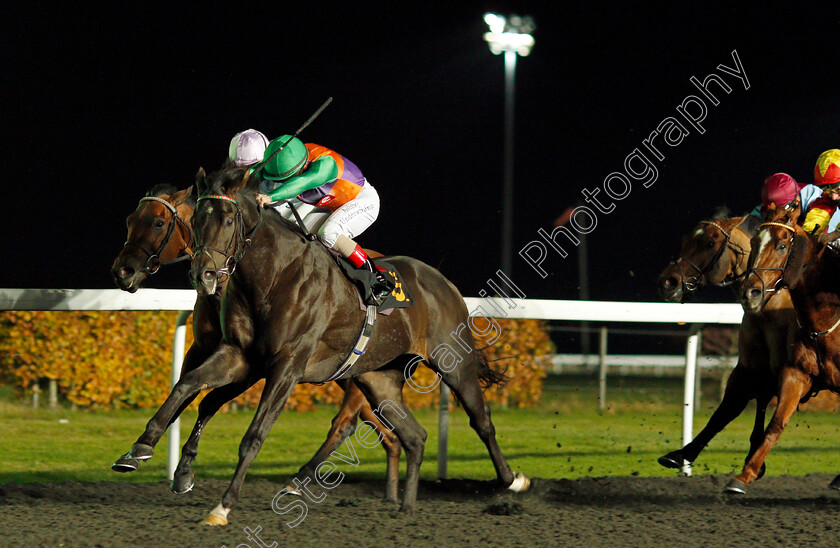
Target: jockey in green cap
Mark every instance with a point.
(329, 192)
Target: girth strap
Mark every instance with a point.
(360, 347)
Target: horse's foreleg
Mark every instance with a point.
(757, 434)
(225, 366)
(740, 389)
(274, 396)
(184, 479)
(794, 385)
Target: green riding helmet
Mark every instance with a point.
(289, 161)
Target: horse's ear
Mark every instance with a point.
(200, 181)
(181, 196)
(237, 182)
(796, 260)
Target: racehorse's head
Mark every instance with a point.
(779, 251)
(709, 255)
(225, 216)
(158, 233)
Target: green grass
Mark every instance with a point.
(566, 437)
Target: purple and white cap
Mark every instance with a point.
(247, 147)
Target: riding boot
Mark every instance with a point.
(380, 286)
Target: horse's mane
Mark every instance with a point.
(217, 180)
(161, 189)
(750, 225)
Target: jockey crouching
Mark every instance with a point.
(328, 191)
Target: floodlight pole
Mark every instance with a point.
(507, 185)
(510, 35)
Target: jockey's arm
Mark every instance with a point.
(816, 216)
(319, 172)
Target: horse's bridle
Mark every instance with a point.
(694, 283)
(153, 262)
(780, 280)
(239, 241)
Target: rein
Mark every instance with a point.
(691, 284)
(153, 262)
(239, 241)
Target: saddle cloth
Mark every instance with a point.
(362, 278)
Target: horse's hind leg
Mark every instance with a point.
(740, 389)
(184, 478)
(794, 385)
(383, 389)
(393, 448)
(343, 426)
(464, 382)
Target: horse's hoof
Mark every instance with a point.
(674, 459)
(292, 490)
(520, 483)
(762, 471)
(735, 487)
(407, 509)
(131, 460)
(835, 484)
(218, 516)
(182, 484)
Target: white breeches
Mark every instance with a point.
(351, 219)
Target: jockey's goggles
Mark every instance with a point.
(828, 189)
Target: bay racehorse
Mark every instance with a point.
(715, 253)
(784, 255)
(159, 233)
(290, 315)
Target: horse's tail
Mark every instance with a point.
(486, 374)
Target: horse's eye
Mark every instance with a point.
(782, 247)
(229, 222)
(710, 244)
(159, 223)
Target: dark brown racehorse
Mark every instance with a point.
(784, 255)
(716, 253)
(291, 316)
(159, 233)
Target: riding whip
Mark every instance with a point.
(296, 133)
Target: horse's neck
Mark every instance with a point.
(289, 253)
(739, 256)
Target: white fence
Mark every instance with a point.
(590, 311)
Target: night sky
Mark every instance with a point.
(99, 106)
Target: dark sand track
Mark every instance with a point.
(613, 511)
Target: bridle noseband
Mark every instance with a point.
(239, 241)
(153, 262)
(691, 284)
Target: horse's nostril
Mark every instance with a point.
(124, 272)
(669, 283)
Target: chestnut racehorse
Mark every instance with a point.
(159, 233)
(716, 253)
(784, 255)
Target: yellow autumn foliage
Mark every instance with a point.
(123, 359)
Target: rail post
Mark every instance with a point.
(691, 348)
(443, 431)
(178, 349)
(602, 370)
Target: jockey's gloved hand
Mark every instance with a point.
(827, 237)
